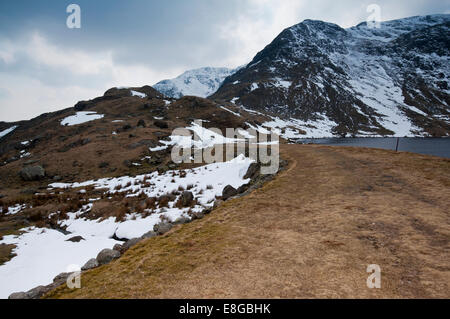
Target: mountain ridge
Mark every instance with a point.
(363, 82)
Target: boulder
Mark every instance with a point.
(103, 165)
(141, 123)
(107, 255)
(252, 171)
(146, 142)
(61, 278)
(91, 264)
(19, 295)
(130, 243)
(75, 239)
(228, 191)
(150, 234)
(126, 127)
(161, 124)
(181, 220)
(37, 292)
(32, 173)
(197, 215)
(162, 228)
(186, 198)
(243, 188)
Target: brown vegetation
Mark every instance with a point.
(309, 233)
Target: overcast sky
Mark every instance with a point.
(45, 66)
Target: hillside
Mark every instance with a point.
(101, 173)
(356, 81)
(309, 233)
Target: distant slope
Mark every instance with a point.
(357, 81)
(199, 82)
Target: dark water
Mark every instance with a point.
(428, 146)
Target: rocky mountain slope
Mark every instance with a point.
(89, 177)
(357, 81)
(199, 82)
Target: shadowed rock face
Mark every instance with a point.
(32, 173)
(383, 81)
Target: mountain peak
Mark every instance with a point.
(200, 82)
(391, 80)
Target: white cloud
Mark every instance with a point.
(257, 26)
(41, 97)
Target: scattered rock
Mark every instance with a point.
(141, 123)
(186, 198)
(57, 178)
(118, 247)
(29, 191)
(146, 142)
(91, 264)
(32, 173)
(126, 127)
(181, 220)
(75, 239)
(130, 243)
(252, 171)
(243, 188)
(61, 278)
(162, 228)
(150, 234)
(127, 163)
(162, 169)
(19, 295)
(228, 191)
(37, 292)
(161, 124)
(103, 165)
(197, 215)
(107, 255)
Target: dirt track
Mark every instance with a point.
(310, 233)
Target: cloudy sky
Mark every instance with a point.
(45, 66)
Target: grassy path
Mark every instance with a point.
(311, 232)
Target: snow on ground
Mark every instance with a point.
(204, 138)
(234, 113)
(217, 175)
(14, 209)
(138, 94)
(7, 131)
(44, 253)
(322, 127)
(80, 118)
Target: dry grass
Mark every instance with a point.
(309, 233)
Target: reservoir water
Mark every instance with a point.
(428, 146)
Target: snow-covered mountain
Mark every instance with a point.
(391, 80)
(199, 82)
